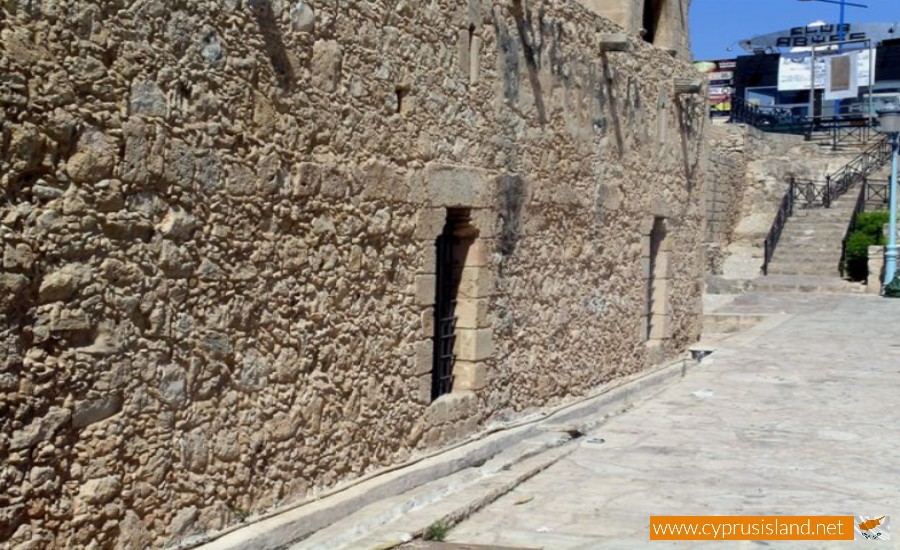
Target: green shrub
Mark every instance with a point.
(868, 232)
(437, 531)
(872, 224)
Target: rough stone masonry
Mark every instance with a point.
(218, 243)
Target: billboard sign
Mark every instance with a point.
(720, 77)
(795, 69)
(821, 34)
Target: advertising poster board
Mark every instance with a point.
(720, 79)
(795, 69)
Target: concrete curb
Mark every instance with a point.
(293, 525)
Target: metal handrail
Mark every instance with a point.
(766, 118)
(785, 211)
(808, 194)
(776, 119)
(857, 169)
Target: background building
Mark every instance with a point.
(774, 77)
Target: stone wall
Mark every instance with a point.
(218, 238)
(726, 170)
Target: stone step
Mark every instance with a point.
(805, 283)
(817, 223)
(813, 270)
(789, 259)
(808, 244)
(833, 238)
(824, 238)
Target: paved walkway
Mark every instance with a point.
(799, 415)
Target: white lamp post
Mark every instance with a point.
(889, 120)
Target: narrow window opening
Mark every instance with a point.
(403, 102)
(452, 248)
(652, 12)
(654, 279)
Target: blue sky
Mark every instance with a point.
(717, 24)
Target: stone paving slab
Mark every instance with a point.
(801, 419)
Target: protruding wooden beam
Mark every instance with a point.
(615, 42)
(688, 86)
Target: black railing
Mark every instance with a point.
(856, 131)
(772, 119)
(877, 193)
(847, 129)
(785, 211)
(808, 194)
(856, 170)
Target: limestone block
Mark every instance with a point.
(469, 376)
(428, 322)
(41, 429)
(462, 51)
(70, 320)
(478, 253)
(380, 180)
(147, 99)
(472, 313)
(422, 394)
(688, 85)
(456, 186)
(94, 157)
(12, 286)
(615, 42)
(183, 522)
(476, 282)
(486, 221)
(61, 284)
(430, 223)
(659, 326)
(660, 297)
(425, 289)
(474, 60)
(94, 410)
(461, 404)
(173, 385)
(175, 261)
(663, 266)
(100, 491)
(19, 256)
(427, 257)
(177, 224)
(303, 18)
(474, 344)
(424, 361)
(194, 451)
(326, 65)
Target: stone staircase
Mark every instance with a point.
(811, 241)
(808, 255)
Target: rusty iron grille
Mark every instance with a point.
(444, 315)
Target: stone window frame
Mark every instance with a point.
(656, 330)
(447, 187)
